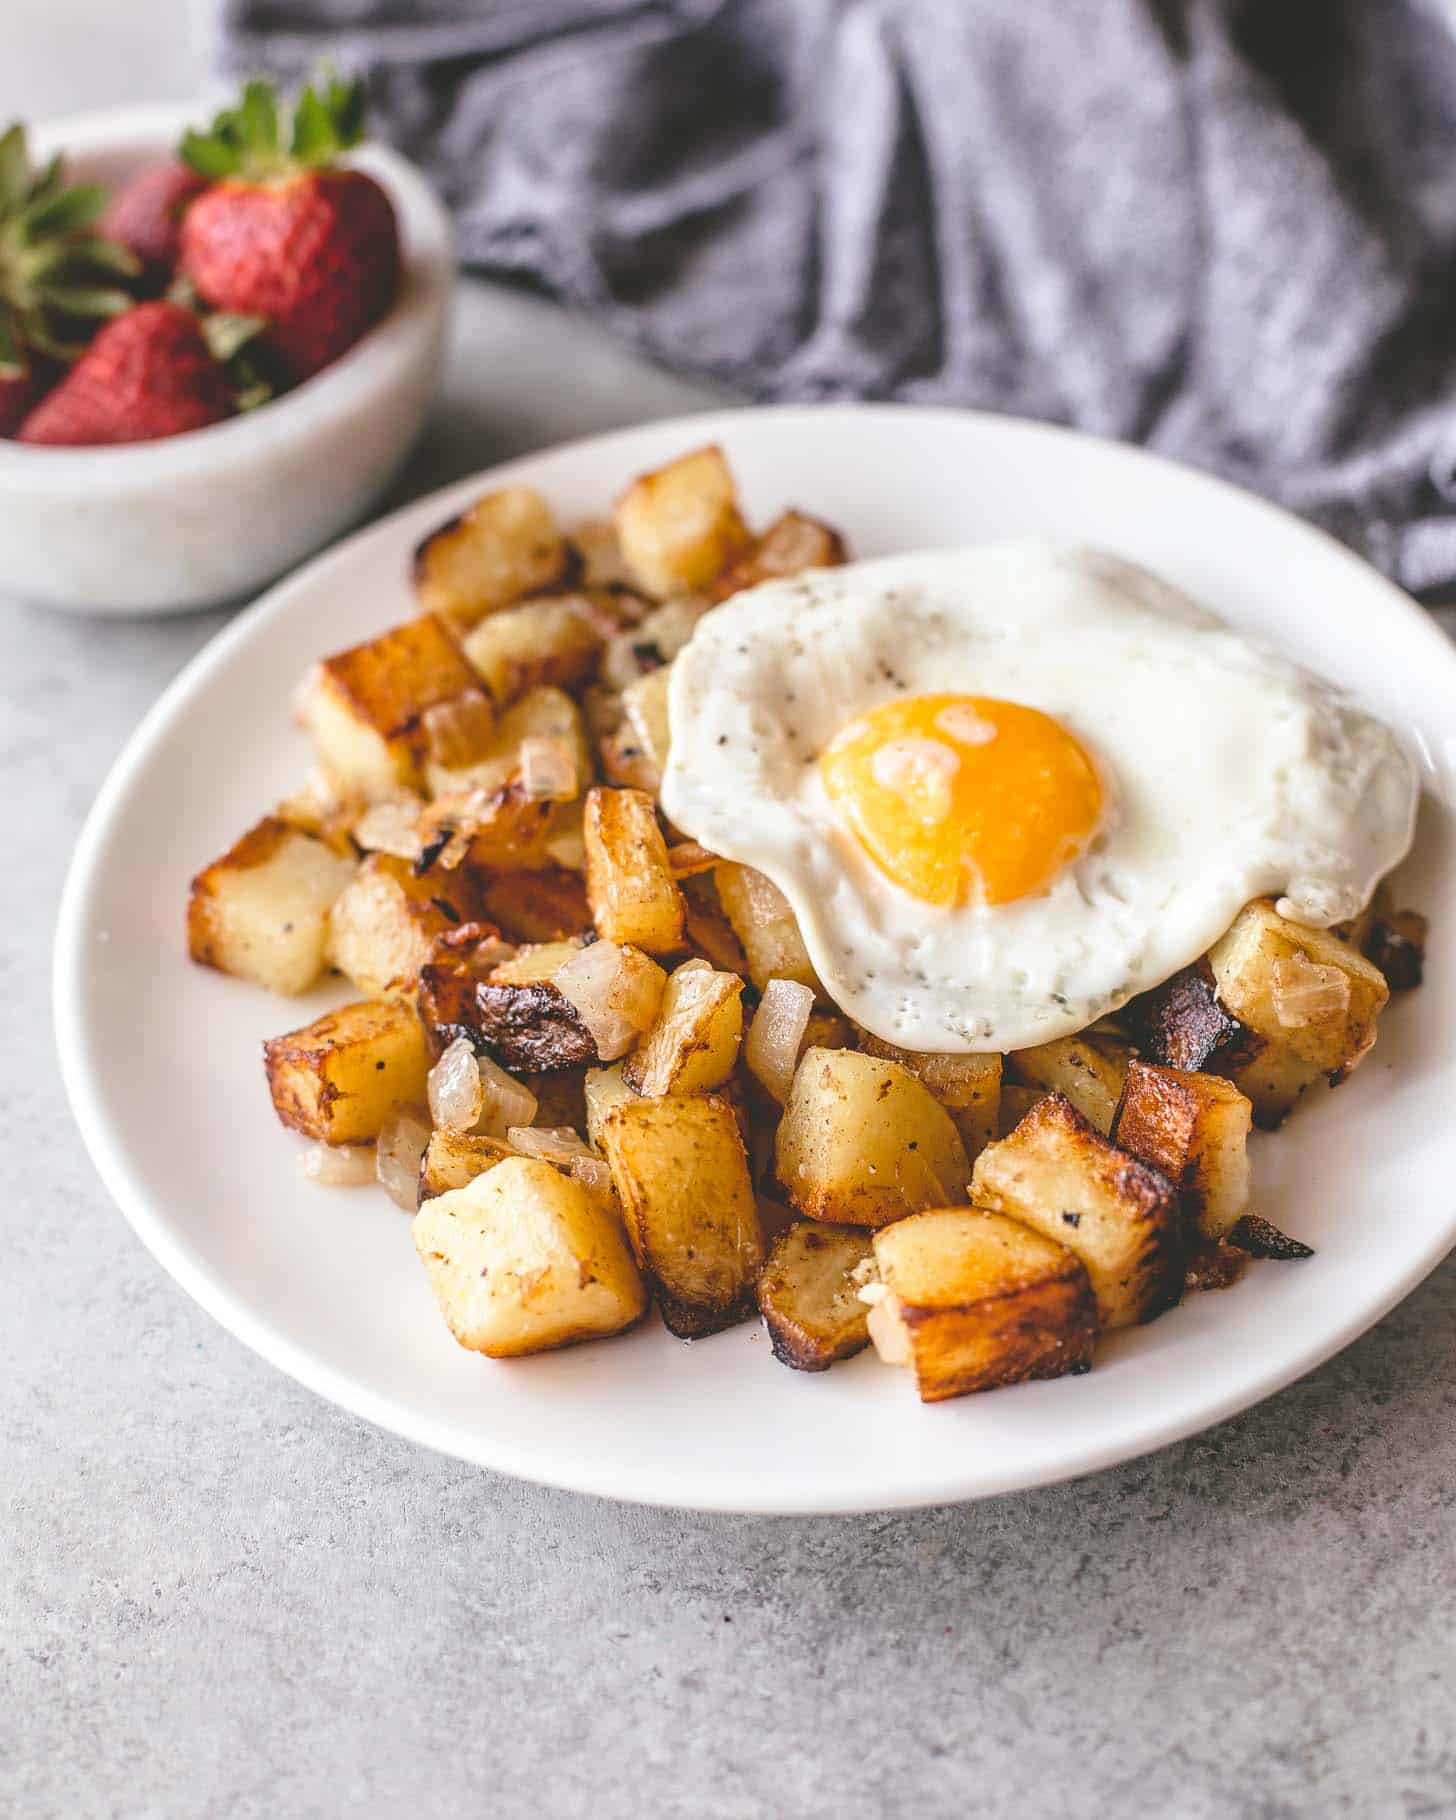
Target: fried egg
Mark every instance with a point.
(1007, 788)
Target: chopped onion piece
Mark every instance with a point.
(457, 1098)
(771, 1047)
(888, 1333)
(489, 954)
(563, 1149)
(339, 1165)
(616, 992)
(548, 769)
(392, 826)
(459, 731)
(1306, 992)
(507, 1101)
(403, 1140)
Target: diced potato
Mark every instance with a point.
(766, 926)
(526, 1026)
(682, 1177)
(262, 910)
(629, 882)
(968, 1086)
(365, 707)
(1087, 1070)
(808, 1296)
(454, 1158)
(599, 555)
(544, 713)
(972, 1300)
(693, 1047)
(645, 735)
(339, 1078)
(523, 1259)
(1194, 1129)
(1056, 1173)
(1248, 965)
(793, 543)
(653, 642)
(680, 526)
(862, 1142)
(541, 906)
(386, 921)
(1016, 1102)
(503, 547)
(605, 1089)
(551, 643)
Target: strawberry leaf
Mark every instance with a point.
(214, 154)
(64, 212)
(14, 169)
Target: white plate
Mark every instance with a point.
(161, 1058)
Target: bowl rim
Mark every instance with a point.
(374, 361)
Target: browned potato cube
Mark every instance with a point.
(633, 895)
(385, 923)
(808, 1296)
(971, 1301)
(1059, 1175)
(544, 713)
(262, 910)
(523, 1259)
(1087, 1070)
(365, 707)
(453, 1159)
(968, 1086)
(681, 1174)
(1310, 998)
(680, 526)
(339, 1078)
(1194, 1129)
(694, 1044)
(765, 925)
(540, 906)
(503, 547)
(862, 1142)
(792, 543)
(549, 643)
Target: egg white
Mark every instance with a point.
(1230, 773)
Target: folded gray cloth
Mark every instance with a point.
(1224, 230)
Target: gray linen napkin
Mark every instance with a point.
(1226, 230)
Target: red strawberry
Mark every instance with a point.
(285, 233)
(146, 214)
(148, 374)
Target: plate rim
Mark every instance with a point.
(622, 1482)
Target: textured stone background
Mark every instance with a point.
(219, 1596)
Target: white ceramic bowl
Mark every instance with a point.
(162, 527)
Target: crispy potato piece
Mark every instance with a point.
(637, 650)
(544, 713)
(385, 923)
(1016, 1102)
(1087, 1070)
(261, 912)
(365, 707)
(599, 555)
(640, 744)
(551, 643)
(633, 895)
(605, 1088)
(1058, 1174)
(682, 1177)
(339, 1078)
(680, 526)
(541, 906)
(453, 1159)
(523, 1259)
(504, 830)
(1249, 965)
(526, 1026)
(968, 1086)
(693, 1046)
(1260, 1238)
(971, 1301)
(862, 1142)
(1194, 1129)
(792, 543)
(503, 547)
(765, 925)
(807, 1296)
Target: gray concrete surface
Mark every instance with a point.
(221, 1597)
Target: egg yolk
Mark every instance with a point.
(961, 798)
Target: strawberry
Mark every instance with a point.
(148, 374)
(57, 276)
(145, 214)
(285, 232)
